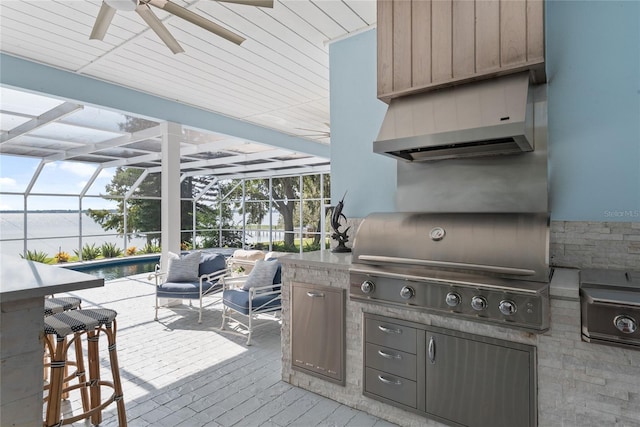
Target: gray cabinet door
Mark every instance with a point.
(479, 384)
(317, 330)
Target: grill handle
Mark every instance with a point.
(447, 264)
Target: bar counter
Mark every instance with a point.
(23, 287)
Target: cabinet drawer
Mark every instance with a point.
(390, 360)
(390, 387)
(391, 335)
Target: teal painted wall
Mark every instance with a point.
(356, 116)
(593, 70)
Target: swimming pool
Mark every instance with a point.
(116, 268)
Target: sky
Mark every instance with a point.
(56, 178)
(87, 125)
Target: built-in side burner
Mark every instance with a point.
(610, 307)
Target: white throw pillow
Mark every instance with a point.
(183, 269)
(262, 274)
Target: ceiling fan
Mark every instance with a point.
(109, 8)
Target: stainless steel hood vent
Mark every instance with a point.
(484, 118)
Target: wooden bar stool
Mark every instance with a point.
(55, 305)
(58, 305)
(77, 324)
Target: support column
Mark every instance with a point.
(170, 203)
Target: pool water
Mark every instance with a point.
(116, 271)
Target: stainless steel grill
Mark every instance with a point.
(490, 267)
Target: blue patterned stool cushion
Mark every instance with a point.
(69, 322)
(58, 305)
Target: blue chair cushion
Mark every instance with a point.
(211, 262)
(238, 300)
(185, 290)
(277, 279)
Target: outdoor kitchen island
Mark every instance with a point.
(23, 287)
(578, 383)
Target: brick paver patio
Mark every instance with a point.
(177, 372)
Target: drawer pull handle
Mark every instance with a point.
(386, 381)
(389, 355)
(388, 330)
(315, 294)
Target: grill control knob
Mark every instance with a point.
(625, 324)
(478, 303)
(453, 299)
(367, 287)
(407, 292)
(508, 308)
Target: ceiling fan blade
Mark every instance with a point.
(194, 18)
(259, 3)
(158, 27)
(103, 20)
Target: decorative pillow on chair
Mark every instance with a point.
(262, 274)
(183, 269)
(211, 263)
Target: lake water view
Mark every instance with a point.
(49, 232)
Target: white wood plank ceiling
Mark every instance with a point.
(278, 78)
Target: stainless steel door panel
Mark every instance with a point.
(392, 361)
(391, 387)
(391, 335)
(479, 384)
(317, 330)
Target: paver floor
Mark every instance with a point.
(177, 372)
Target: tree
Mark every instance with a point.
(311, 210)
(285, 193)
(212, 213)
(143, 215)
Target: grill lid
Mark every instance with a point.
(511, 245)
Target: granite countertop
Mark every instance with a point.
(565, 284)
(21, 279)
(339, 261)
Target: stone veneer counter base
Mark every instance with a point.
(579, 384)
